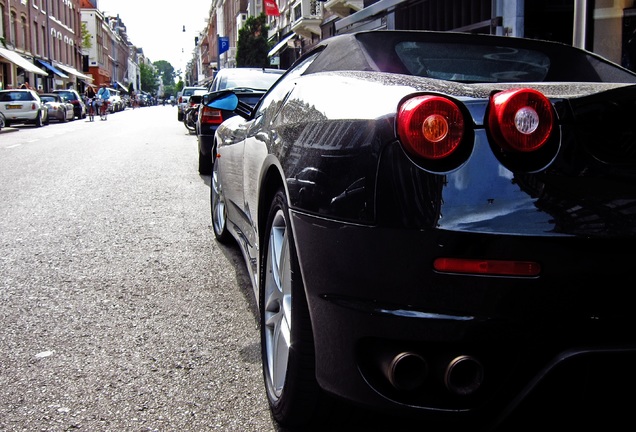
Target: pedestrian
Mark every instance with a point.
(25, 84)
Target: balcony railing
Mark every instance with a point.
(306, 16)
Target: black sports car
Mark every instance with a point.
(440, 223)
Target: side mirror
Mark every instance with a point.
(224, 100)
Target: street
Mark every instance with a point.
(119, 311)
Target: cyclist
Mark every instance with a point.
(103, 94)
(90, 102)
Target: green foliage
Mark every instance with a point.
(166, 72)
(149, 78)
(252, 46)
(86, 36)
(169, 91)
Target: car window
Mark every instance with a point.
(8, 96)
(479, 63)
(256, 80)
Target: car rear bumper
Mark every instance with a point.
(392, 333)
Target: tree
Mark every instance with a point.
(149, 78)
(166, 72)
(252, 46)
(86, 36)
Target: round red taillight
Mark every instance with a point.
(520, 119)
(430, 127)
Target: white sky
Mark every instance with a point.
(157, 26)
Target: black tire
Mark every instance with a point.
(205, 164)
(189, 126)
(38, 119)
(179, 116)
(217, 207)
(288, 369)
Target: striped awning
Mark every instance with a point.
(73, 71)
(20, 61)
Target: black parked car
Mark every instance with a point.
(464, 243)
(249, 85)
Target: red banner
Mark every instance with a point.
(271, 8)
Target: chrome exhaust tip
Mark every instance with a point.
(464, 375)
(406, 370)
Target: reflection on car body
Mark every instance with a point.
(249, 84)
(468, 244)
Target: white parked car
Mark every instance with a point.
(23, 106)
(115, 103)
(184, 96)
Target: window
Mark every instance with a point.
(23, 33)
(36, 40)
(13, 30)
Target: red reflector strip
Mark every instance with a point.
(487, 267)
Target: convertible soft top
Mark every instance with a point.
(464, 57)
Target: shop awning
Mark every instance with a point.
(122, 87)
(18, 60)
(280, 45)
(73, 71)
(52, 68)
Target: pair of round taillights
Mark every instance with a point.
(432, 126)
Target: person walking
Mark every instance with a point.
(103, 95)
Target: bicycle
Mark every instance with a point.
(103, 109)
(91, 109)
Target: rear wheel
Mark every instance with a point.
(217, 206)
(287, 347)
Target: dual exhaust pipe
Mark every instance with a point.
(407, 371)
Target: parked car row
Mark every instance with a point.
(26, 106)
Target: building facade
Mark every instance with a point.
(70, 43)
(606, 27)
(40, 43)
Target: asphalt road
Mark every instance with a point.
(118, 310)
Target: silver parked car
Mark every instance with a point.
(59, 109)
